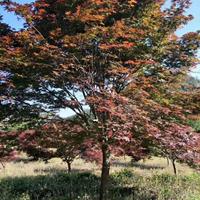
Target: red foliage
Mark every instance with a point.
(121, 58)
(8, 146)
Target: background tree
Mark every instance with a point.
(60, 138)
(8, 146)
(4, 76)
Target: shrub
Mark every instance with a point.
(195, 124)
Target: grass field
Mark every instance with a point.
(145, 180)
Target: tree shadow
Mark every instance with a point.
(145, 166)
(136, 164)
(121, 164)
(54, 171)
(25, 160)
(49, 187)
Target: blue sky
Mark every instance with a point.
(192, 26)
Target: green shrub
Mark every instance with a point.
(161, 186)
(195, 124)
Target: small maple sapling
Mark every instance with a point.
(59, 138)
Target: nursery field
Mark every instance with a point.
(151, 179)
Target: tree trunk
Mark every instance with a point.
(174, 166)
(104, 172)
(70, 181)
(69, 167)
(167, 161)
(2, 165)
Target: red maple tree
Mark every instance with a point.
(119, 59)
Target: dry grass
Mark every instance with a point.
(151, 166)
(146, 180)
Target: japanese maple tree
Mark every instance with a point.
(8, 146)
(119, 59)
(60, 138)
